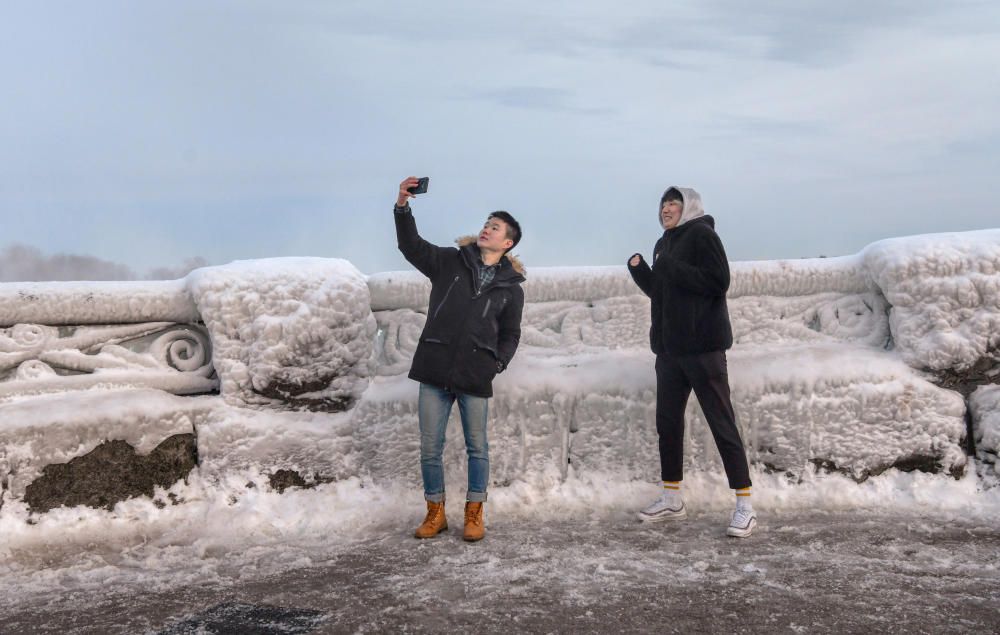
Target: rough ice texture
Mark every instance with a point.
(856, 411)
(984, 405)
(409, 289)
(40, 431)
(75, 303)
(288, 331)
(818, 377)
(37, 359)
(239, 442)
(825, 371)
(945, 295)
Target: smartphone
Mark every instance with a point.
(421, 185)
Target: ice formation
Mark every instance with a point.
(74, 303)
(38, 359)
(294, 330)
(828, 369)
(944, 290)
(54, 429)
(984, 405)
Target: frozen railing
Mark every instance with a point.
(810, 373)
(63, 336)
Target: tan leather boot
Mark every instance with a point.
(474, 529)
(434, 523)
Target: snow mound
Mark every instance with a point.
(288, 331)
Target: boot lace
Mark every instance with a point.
(473, 515)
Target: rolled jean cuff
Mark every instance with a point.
(434, 498)
(476, 497)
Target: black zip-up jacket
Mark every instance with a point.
(687, 286)
(469, 336)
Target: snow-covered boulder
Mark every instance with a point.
(288, 331)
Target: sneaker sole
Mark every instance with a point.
(735, 532)
(681, 515)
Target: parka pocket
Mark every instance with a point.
(445, 298)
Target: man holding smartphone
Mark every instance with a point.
(690, 334)
(472, 331)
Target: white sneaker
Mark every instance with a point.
(666, 507)
(742, 523)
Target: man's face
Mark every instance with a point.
(493, 236)
(670, 214)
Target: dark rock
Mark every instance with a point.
(917, 463)
(283, 479)
(112, 472)
(289, 392)
(985, 371)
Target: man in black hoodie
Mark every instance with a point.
(690, 334)
(472, 331)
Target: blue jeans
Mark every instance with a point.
(434, 407)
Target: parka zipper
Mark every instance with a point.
(444, 299)
(486, 310)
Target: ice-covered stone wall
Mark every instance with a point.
(819, 375)
(302, 366)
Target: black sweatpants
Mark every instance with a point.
(707, 375)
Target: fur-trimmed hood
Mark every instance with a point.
(515, 262)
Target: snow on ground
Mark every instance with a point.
(805, 571)
(223, 536)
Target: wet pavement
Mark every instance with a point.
(843, 572)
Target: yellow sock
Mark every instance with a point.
(743, 498)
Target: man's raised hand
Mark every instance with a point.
(404, 195)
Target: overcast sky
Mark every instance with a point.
(147, 134)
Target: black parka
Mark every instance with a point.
(687, 287)
(469, 336)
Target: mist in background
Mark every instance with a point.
(21, 263)
(136, 135)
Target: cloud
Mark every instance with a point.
(24, 263)
(539, 98)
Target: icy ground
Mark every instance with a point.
(898, 553)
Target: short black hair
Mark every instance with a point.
(673, 194)
(513, 227)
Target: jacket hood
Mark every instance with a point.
(515, 262)
(692, 205)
